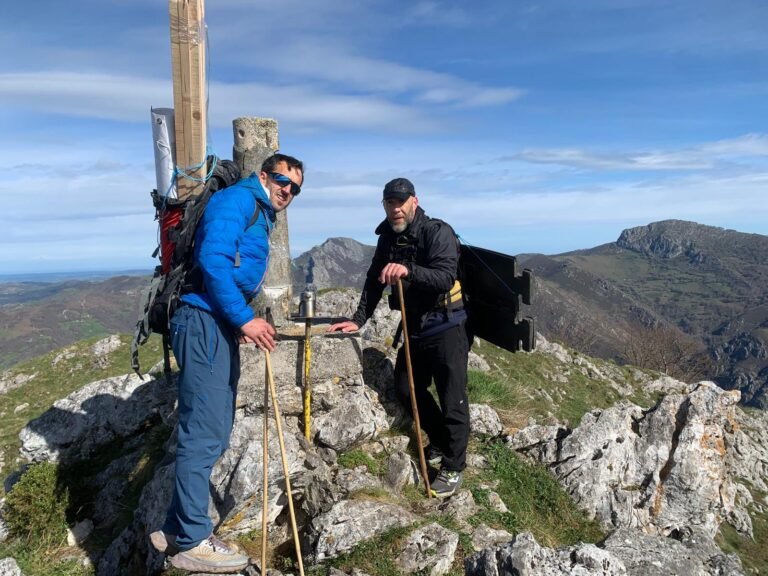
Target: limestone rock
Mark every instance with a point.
(355, 480)
(9, 567)
(101, 350)
(388, 445)
(649, 555)
(334, 359)
(401, 471)
(459, 506)
(358, 417)
(524, 557)
(484, 421)
(658, 470)
(497, 503)
(3, 526)
(10, 381)
(89, 418)
(475, 362)
(79, 533)
(352, 521)
(486, 537)
(237, 476)
(428, 550)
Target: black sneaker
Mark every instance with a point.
(433, 455)
(446, 483)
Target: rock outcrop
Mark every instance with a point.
(659, 480)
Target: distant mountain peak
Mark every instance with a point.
(337, 262)
(674, 238)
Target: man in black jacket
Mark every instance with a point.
(423, 253)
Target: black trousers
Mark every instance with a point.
(442, 357)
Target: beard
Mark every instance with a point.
(400, 227)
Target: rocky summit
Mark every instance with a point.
(657, 479)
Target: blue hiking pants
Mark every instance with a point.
(208, 356)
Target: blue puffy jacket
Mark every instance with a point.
(222, 233)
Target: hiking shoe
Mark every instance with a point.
(211, 555)
(164, 543)
(433, 455)
(446, 483)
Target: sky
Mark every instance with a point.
(529, 126)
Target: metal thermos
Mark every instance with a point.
(307, 304)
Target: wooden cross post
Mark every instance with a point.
(188, 44)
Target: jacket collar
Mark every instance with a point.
(260, 194)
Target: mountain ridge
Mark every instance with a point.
(698, 282)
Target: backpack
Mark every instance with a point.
(178, 273)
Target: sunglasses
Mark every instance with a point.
(283, 180)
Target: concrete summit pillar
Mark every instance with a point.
(255, 140)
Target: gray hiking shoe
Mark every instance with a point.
(433, 456)
(166, 543)
(211, 555)
(446, 483)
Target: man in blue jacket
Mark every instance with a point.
(232, 252)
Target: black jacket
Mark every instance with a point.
(430, 251)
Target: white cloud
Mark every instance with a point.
(706, 156)
(127, 98)
(325, 60)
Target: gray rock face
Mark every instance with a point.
(659, 471)
(524, 557)
(358, 417)
(352, 521)
(429, 549)
(484, 421)
(648, 555)
(401, 471)
(100, 350)
(486, 537)
(335, 360)
(9, 567)
(78, 425)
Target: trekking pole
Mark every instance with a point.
(265, 474)
(307, 383)
(271, 382)
(412, 390)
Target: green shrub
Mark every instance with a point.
(36, 507)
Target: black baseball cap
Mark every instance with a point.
(400, 188)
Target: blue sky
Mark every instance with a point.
(529, 126)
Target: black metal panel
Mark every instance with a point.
(494, 291)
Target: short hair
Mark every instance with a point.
(271, 163)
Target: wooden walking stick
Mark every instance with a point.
(412, 389)
(265, 474)
(271, 382)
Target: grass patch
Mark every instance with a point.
(374, 556)
(358, 457)
(530, 385)
(35, 562)
(753, 553)
(36, 507)
(535, 500)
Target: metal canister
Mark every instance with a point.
(307, 304)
